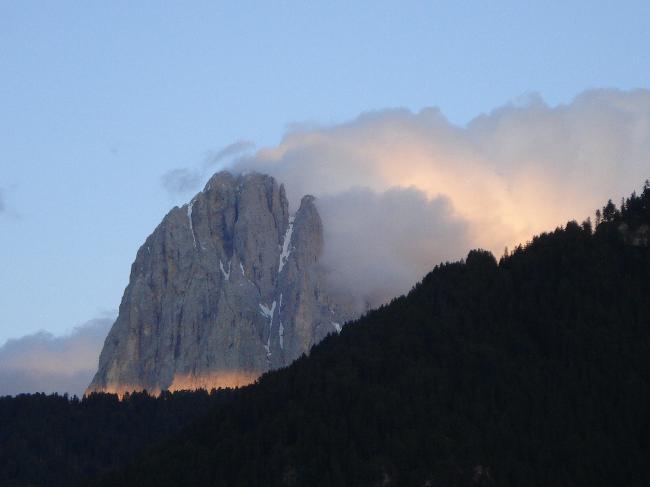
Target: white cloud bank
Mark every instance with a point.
(400, 192)
(44, 363)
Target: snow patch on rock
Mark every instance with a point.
(189, 217)
(286, 245)
(226, 275)
(281, 326)
(268, 312)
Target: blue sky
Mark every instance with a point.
(99, 99)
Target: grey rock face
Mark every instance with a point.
(227, 287)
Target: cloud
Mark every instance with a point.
(183, 180)
(524, 168)
(382, 243)
(231, 150)
(7, 207)
(42, 362)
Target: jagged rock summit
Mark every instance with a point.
(226, 287)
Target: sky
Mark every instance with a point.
(103, 103)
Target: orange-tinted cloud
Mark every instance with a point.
(522, 169)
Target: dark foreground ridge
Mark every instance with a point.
(53, 440)
(530, 371)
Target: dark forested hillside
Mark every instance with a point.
(531, 371)
(534, 370)
(53, 440)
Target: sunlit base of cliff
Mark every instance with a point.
(186, 382)
(212, 381)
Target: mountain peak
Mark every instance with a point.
(224, 289)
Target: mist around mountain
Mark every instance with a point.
(530, 370)
(42, 362)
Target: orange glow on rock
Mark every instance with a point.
(186, 382)
(215, 380)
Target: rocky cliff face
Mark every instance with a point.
(227, 287)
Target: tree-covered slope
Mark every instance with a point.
(531, 371)
(54, 440)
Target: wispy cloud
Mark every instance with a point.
(526, 167)
(42, 362)
(7, 205)
(183, 180)
(230, 151)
